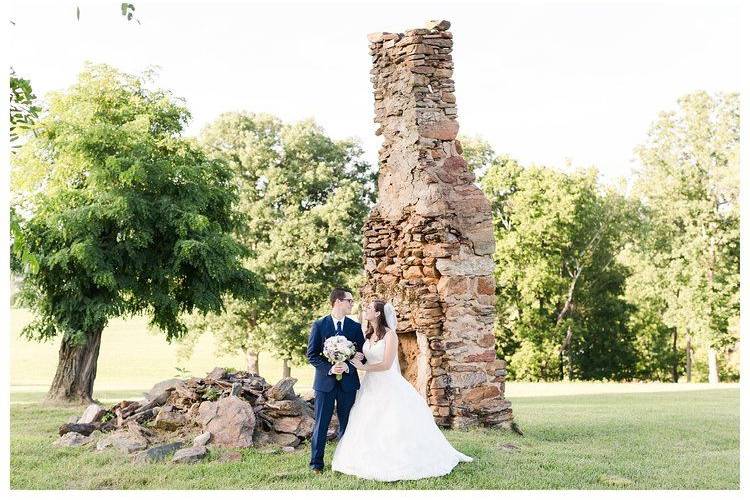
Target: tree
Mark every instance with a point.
(123, 216)
(558, 280)
(307, 196)
(656, 344)
(689, 185)
(24, 110)
(650, 290)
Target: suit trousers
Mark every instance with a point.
(324, 403)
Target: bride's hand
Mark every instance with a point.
(357, 364)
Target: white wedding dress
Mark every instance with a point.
(391, 434)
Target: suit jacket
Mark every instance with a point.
(321, 330)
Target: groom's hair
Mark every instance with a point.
(338, 293)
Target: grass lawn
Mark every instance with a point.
(666, 440)
(577, 436)
(131, 358)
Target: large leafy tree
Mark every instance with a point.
(559, 309)
(122, 216)
(687, 272)
(306, 196)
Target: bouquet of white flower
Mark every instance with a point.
(337, 350)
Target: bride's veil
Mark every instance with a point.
(390, 319)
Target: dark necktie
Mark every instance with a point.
(338, 328)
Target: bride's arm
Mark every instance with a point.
(391, 349)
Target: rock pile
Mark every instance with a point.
(428, 244)
(223, 409)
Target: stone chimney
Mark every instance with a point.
(429, 241)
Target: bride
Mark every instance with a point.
(391, 434)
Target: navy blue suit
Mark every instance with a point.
(328, 390)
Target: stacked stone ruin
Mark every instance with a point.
(429, 242)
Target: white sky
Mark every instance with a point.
(543, 83)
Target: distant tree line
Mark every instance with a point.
(601, 282)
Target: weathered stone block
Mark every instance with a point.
(445, 130)
(230, 421)
(189, 455)
(440, 25)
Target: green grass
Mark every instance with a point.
(130, 358)
(578, 435)
(668, 440)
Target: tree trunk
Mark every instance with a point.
(570, 364)
(252, 362)
(561, 316)
(287, 369)
(569, 348)
(76, 371)
(566, 347)
(689, 361)
(713, 371)
(674, 354)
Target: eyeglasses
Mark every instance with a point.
(351, 301)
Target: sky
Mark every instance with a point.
(554, 84)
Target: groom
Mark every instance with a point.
(327, 389)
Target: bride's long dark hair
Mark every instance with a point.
(380, 324)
